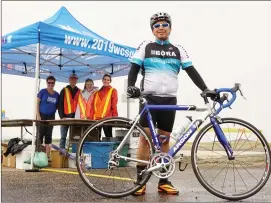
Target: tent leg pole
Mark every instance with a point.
(32, 169)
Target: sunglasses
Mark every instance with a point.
(51, 83)
(160, 24)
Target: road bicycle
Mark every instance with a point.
(217, 161)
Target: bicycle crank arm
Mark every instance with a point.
(159, 166)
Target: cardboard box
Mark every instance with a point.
(77, 131)
(9, 161)
(58, 160)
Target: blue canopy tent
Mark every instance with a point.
(59, 46)
(65, 46)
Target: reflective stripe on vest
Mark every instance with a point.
(70, 104)
(85, 106)
(82, 106)
(103, 104)
(68, 101)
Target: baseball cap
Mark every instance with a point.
(73, 75)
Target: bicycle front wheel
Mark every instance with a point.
(120, 179)
(231, 179)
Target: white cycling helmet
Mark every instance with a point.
(160, 16)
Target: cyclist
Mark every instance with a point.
(160, 62)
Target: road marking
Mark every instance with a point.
(88, 174)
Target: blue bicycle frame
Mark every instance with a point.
(194, 126)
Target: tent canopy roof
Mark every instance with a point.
(66, 46)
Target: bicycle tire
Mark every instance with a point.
(212, 190)
(92, 187)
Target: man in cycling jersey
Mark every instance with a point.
(161, 63)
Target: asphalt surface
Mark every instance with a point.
(20, 186)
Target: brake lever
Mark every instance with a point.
(229, 101)
(242, 93)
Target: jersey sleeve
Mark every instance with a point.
(184, 57)
(139, 54)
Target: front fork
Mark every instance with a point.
(222, 138)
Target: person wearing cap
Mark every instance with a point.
(161, 62)
(67, 106)
(85, 99)
(47, 103)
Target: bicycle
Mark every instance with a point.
(222, 148)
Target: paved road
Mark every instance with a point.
(19, 186)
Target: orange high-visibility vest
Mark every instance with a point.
(101, 107)
(84, 106)
(70, 104)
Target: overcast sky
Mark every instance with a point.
(227, 41)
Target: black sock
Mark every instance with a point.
(163, 180)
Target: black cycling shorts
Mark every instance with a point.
(162, 119)
(46, 131)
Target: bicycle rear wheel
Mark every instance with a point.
(119, 181)
(231, 179)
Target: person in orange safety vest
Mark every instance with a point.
(67, 106)
(84, 100)
(104, 103)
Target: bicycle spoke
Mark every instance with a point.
(244, 143)
(114, 181)
(99, 179)
(250, 165)
(241, 178)
(214, 166)
(233, 176)
(108, 178)
(121, 180)
(225, 176)
(214, 151)
(248, 137)
(213, 144)
(247, 170)
(129, 173)
(238, 139)
(216, 143)
(244, 151)
(218, 174)
(256, 143)
(232, 181)
(229, 134)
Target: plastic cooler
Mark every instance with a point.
(100, 153)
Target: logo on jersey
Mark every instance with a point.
(162, 53)
(51, 100)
